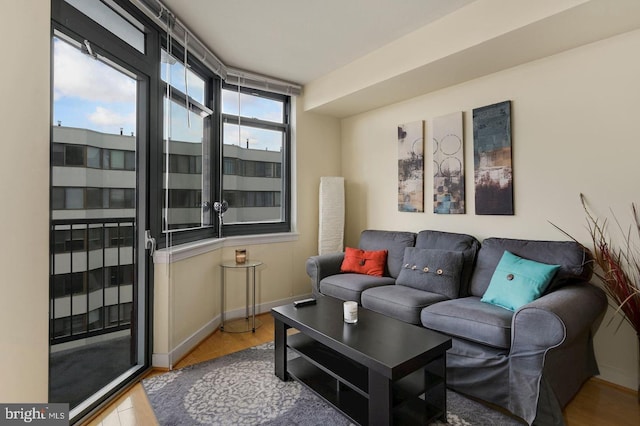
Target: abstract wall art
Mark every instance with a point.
(411, 167)
(448, 164)
(493, 172)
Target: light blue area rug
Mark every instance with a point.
(242, 389)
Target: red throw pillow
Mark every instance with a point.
(364, 262)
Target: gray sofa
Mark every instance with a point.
(530, 362)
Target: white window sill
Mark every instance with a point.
(187, 250)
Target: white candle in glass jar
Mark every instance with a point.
(350, 312)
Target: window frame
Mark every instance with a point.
(211, 129)
(149, 63)
(266, 227)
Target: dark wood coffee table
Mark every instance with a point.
(373, 372)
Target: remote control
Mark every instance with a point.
(304, 302)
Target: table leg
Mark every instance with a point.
(280, 338)
(253, 313)
(435, 397)
(246, 283)
(221, 298)
(380, 399)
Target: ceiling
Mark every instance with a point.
(298, 40)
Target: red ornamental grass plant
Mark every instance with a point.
(618, 264)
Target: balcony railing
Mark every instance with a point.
(93, 277)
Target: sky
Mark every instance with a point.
(252, 107)
(92, 95)
(89, 94)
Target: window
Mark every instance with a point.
(117, 159)
(93, 157)
(94, 198)
(129, 160)
(188, 186)
(57, 198)
(57, 154)
(255, 154)
(62, 326)
(68, 155)
(204, 152)
(69, 284)
(74, 155)
(95, 279)
(116, 198)
(118, 314)
(74, 198)
(121, 236)
(68, 198)
(106, 158)
(95, 238)
(95, 319)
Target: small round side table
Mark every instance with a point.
(241, 325)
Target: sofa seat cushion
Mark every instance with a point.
(400, 302)
(469, 318)
(349, 286)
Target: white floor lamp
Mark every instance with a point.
(331, 215)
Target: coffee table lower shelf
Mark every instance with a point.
(341, 397)
(343, 383)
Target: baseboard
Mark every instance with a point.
(598, 379)
(264, 307)
(160, 360)
(617, 376)
(167, 360)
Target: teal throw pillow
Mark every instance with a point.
(517, 281)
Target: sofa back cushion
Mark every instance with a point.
(466, 244)
(574, 259)
(435, 271)
(393, 241)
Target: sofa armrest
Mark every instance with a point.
(563, 321)
(319, 267)
(558, 317)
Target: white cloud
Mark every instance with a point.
(80, 76)
(105, 117)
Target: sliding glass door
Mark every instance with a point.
(98, 265)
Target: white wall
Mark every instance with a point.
(24, 191)
(575, 130)
(187, 292)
